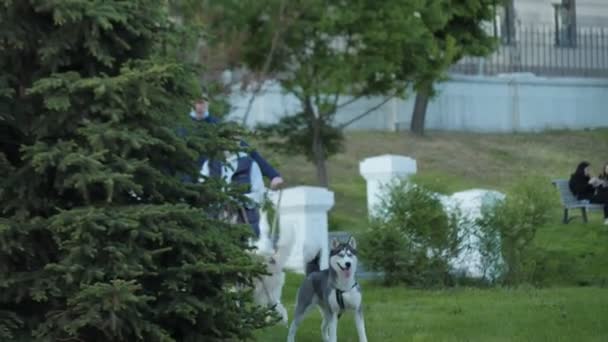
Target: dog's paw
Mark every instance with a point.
(283, 312)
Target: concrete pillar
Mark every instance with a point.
(304, 210)
(381, 170)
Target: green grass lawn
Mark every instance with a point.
(569, 304)
(464, 314)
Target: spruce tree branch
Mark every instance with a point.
(161, 250)
(70, 339)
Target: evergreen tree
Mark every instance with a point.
(100, 240)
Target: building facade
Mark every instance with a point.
(546, 38)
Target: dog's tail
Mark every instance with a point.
(313, 265)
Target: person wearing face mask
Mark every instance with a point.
(585, 187)
(200, 114)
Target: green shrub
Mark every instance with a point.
(411, 238)
(516, 220)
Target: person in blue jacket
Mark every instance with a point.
(239, 168)
(200, 113)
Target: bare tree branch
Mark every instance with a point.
(367, 112)
(268, 61)
(344, 104)
(334, 105)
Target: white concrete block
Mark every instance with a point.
(303, 209)
(380, 171)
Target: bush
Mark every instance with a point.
(516, 220)
(411, 238)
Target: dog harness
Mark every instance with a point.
(340, 298)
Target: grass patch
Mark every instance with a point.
(463, 314)
(442, 183)
(575, 254)
(350, 209)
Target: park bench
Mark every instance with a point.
(569, 201)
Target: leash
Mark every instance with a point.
(271, 299)
(272, 234)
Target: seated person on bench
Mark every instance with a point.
(241, 169)
(601, 184)
(584, 187)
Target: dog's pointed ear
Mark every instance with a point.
(352, 242)
(335, 243)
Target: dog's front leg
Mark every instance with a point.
(360, 323)
(325, 325)
(333, 327)
(280, 309)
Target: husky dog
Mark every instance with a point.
(334, 290)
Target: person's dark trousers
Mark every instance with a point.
(601, 197)
(252, 217)
(605, 210)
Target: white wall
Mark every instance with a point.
(507, 103)
(519, 103)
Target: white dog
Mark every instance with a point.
(269, 288)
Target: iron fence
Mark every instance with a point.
(544, 51)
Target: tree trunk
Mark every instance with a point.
(321, 172)
(419, 114)
(319, 154)
(318, 151)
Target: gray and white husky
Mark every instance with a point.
(333, 290)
